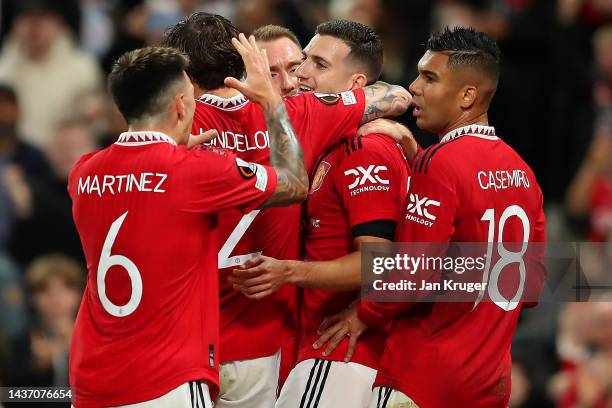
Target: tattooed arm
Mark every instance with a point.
(383, 99)
(286, 155)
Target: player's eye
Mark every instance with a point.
(274, 74)
(293, 69)
(318, 65)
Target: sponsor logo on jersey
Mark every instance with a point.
(319, 176)
(367, 179)
(328, 99)
(418, 210)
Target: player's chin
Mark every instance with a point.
(421, 123)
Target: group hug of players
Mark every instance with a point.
(201, 284)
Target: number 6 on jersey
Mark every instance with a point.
(106, 262)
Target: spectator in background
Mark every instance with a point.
(13, 312)
(55, 283)
(49, 73)
(130, 19)
(12, 148)
(17, 160)
(585, 347)
(590, 193)
(251, 14)
(46, 224)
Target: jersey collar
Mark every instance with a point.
(484, 132)
(143, 138)
(229, 104)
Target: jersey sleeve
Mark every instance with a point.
(536, 265)
(320, 120)
(218, 180)
(371, 180)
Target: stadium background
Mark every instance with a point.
(553, 105)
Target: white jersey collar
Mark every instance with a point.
(485, 132)
(143, 138)
(229, 104)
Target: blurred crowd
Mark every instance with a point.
(554, 106)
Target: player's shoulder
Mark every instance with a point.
(324, 99)
(86, 158)
(370, 144)
(84, 162)
(203, 153)
(441, 156)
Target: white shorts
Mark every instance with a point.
(249, 383)
(385, 397)
(193, 394)
(316, 383)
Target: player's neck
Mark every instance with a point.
(481, 119)
(223, 92)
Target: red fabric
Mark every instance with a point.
(363, 179)
(168, 233)
(249, 329)
(601, 210)
(441, 352)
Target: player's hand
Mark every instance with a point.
(398, 132)
(205, 137)
(261, 276)
(335, 328)
(258, 83)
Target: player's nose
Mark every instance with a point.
(413, 88)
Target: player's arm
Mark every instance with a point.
(264, 275)
(396, 131)
(535, 258)
(383, 99)
(286, 155)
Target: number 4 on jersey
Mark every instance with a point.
(225, 261)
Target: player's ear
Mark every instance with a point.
(179, 105)
(359, 81)
(468, 97)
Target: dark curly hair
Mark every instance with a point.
(206, 39)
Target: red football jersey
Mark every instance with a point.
(146, 212)
(250, 329)
(464, 189)
(363, 179)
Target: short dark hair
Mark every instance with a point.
(140, 78)
(207, 39)
(467, 47)
(273, 32)
(365, 44)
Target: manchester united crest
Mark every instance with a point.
(319, 176)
